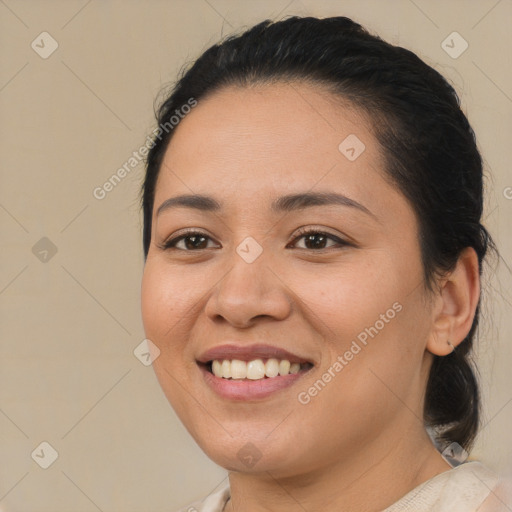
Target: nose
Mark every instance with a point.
(249, 291)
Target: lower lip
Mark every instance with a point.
(235, 389)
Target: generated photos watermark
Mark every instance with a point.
(305, 397)
(139, 155)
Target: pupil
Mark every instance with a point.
(197, 240)
(310, 238)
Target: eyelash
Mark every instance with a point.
(170, 244)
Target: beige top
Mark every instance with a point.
(469, 487)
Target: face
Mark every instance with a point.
(235, 277)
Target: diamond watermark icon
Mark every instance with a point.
(454, 45)
(45, 455)
(146, 352)
(455, 454)
(44, 250)
(249, 249)
(351, 147)
(249, 455)
(44, 45)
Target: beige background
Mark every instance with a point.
(69, 325)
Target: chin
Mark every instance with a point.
(246, 455)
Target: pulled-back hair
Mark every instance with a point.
(429, 150)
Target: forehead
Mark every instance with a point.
(253, 143)
(264, 122)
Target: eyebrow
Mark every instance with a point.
(287, 203)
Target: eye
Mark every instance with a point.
(315, 239)
(192, 240)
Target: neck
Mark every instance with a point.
(368, 482)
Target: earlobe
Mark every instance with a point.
(455, 305)
(442, 345)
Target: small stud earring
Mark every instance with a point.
(449, 343)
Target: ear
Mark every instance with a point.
(455, 305)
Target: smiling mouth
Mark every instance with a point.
(255, 369)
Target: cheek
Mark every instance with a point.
(167, 306)
(165, 299)
(154, 302)
(347, 298)
(374, 319)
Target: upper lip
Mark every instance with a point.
(248, 353)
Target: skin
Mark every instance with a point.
(359, 444)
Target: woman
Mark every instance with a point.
(312, 208)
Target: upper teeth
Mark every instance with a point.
(254, 370)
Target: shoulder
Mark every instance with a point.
(500, 496)
(214, 502)
(464, 488)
